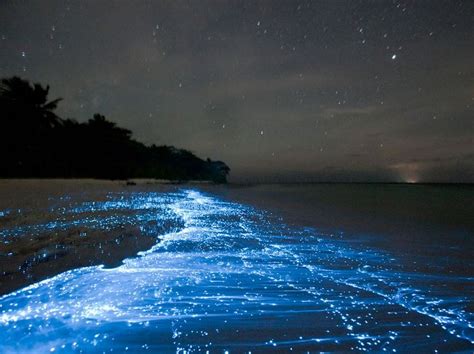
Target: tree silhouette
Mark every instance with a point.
(18, 96)
(38, 143)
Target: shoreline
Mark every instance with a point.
(137, 181)
(141, 181)
(348, 211)
(35, 259)
(41, 236)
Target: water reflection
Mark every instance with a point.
(236, 279)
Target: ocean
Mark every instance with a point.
(269, 268)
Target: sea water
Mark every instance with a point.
(233, 278)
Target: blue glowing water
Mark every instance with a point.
(237, 279)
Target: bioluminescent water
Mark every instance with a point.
(231, 278)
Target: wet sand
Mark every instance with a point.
(39, 240)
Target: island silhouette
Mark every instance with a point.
(36, 142)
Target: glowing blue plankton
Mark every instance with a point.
(235, 279)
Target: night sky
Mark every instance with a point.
(281, 91)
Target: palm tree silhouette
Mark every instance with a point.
(35, 142)
(31, 101)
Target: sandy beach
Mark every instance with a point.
(40, 240)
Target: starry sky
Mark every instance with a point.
(280, 90)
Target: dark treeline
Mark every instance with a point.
(35, 142)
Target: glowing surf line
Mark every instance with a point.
(196, 206)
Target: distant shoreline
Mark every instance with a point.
(131, 181)
(230, 184)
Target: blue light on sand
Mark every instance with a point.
(232, 278)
